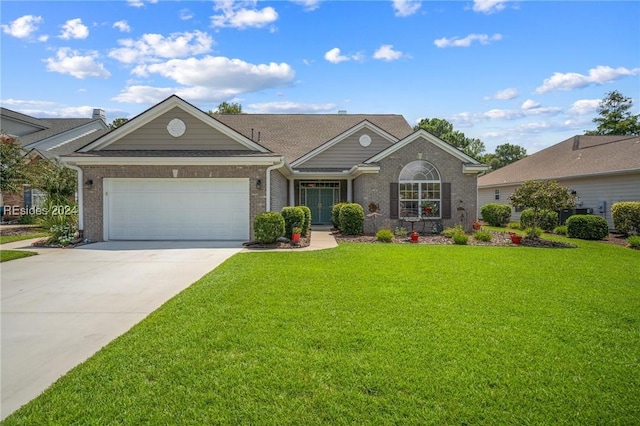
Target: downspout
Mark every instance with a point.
(80, 197)
(269, 169)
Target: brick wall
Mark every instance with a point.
(93, 196)
(369, 188)
(279, 190)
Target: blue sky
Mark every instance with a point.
(524, 72)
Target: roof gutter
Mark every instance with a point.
(268, 178)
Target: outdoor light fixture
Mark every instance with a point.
(259, 184)
(89, 182)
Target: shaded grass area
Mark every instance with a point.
(377, 334)
(7, 255)
(4, 239)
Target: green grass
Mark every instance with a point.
(374, 335)
(7, 255)
(4, 239)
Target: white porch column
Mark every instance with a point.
(350, 190)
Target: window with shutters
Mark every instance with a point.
(420, 191)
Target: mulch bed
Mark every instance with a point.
(282, 244)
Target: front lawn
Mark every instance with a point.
(35, 233)
(7, 255)
(377, 334)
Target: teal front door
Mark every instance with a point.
(320, 201)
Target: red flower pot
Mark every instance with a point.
(415, 237)
(295, 238)
(516, 239)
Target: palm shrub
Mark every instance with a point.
(384, 235)
(60, 219)
(268, 227)
(626, 217)
(293, 216)
(335, 214)
(587, 227)
(351, 219)
(547, 219)
(496, 214)
(306, 225)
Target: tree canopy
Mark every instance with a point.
(14, 172)
(117, 122)
(227, 108)
(615, 116)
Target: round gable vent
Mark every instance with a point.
(365, 140)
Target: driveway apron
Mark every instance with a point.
(62, 306)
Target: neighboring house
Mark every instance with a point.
(46, 138)
(175, 172)
(600, 170)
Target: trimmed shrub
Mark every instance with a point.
(307, 220)
(560, 230)
(450, 232)
(634, 241)
(496, 214)
(547, 219)
(482, 236)
(460, 238)
(351, 219)
(587, 227)
(384, 235)
(268, 227)
(335, 214)
(293, 216)
(626, 217)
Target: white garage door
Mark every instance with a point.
(176, 209)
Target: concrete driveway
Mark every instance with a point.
(62, 306)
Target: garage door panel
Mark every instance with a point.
(171, 209)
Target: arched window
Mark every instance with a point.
(420, 190)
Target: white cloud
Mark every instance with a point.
(71, 62)
(242, 14)
(23, 27)
(151, 47)
(335, 56)
(386, 53)
(504, 95)
(309, 5)
(208, 79)
(585, 106)
(598, 75)
(529, 104)
(405, 8)
(43, 38)
(74, 28)
(466, 42)
(27, 104)
(185, 14)
(488, 6)
(290, 108)
(122, 26)
(140, 3)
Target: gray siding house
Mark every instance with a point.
(175, 172)
(602, 170)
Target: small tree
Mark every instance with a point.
(14, 165)
(57, 181)
(541, 195)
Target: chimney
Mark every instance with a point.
(99, 113)
(576, 143)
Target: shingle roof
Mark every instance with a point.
(577, 156)
(4, 112)
(294, 135)
(170, 153)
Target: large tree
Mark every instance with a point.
(13, 166)
(228, 108)
(444, 130)
(117, 122)
(504, 155)
(615, 116)
(541, 195)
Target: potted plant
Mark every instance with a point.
(295, 234)
(427, 207)
(415, 236)
(476, 225)
(515, 238)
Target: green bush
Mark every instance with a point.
(27, 219)
(307, 220)
(496, 214)
(384, 235)
(268, 227)
(460, 238)
(335, 214)
(536, 232)
(587, 227)
(626, 217)
(560, 230)
(351, 219)
(293, 216)
(60, 220)
(634, 241)
(482, 236)
(514, 225)
(547, 219)
(450, 232)
(400, 232)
